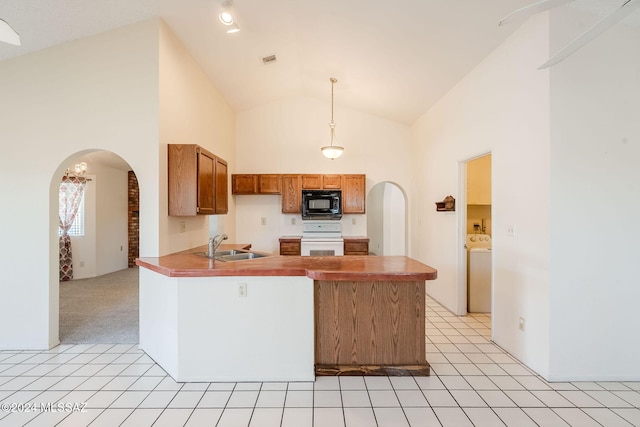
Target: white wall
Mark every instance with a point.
(502, 106)
(192, 111)
(595, 203)
(112, 208)
(286, 136)
(98, 93)
(95, 93)
(394, 221)
(375, 218)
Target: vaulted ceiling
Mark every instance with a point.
(393, 59)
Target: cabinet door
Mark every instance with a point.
(244, 184)
(353, 194)
(311, 182)
(222, 192)
(357, 247)
(291, 194)
(290, 247)
(206, 184)
(183, 175)
(332, 182)
(269, 184)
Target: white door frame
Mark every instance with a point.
(461, 306)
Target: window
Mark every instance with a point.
(77, 227)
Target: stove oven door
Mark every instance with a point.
(322, 247)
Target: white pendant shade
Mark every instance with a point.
(332, 151)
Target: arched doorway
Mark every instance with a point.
(100, 302)
(387, 219)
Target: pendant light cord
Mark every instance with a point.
(332, 82)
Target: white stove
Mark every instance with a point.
(322, 238)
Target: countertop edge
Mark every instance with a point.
(351, 268)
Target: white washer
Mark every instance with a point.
(479, 273)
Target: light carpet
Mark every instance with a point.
(100, 310)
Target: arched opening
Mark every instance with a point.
(97, 298)
(387, 219)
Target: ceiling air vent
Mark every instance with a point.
(269, 59)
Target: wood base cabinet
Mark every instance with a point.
(197, 181)
(290, 246)
(364, 326)
(356, 246)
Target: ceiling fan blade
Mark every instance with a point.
(8, 34)
(533, 8)
(600, 27)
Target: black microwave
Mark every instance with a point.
(321, 204)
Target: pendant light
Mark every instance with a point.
(332, 151)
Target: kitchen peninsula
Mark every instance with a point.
(283, 318)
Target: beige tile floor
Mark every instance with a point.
(473, 383)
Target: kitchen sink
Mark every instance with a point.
(231, 255)
(240, 256)
(230, 252)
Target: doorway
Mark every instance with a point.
(387, 219)
(99, 304)
(476, 271)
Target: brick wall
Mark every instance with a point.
(134, 219)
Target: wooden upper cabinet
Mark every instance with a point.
(312, 182)
(331, 182)
(321, 182)
(353, 194)
(206, 182)
(291, 185)
(193, 181)
(269, 184)
(222, 191)
(244, 184)
(291, 193)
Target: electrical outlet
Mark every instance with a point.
(121, 247)
(293, 221)
(511, 230)
(521, 323)
(242, 290)
(353, 221)
(183, 226)
(263, 221)
(81, 263)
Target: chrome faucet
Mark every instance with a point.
(215, 242)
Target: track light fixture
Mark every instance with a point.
(226, 17)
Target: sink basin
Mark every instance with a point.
(230, 252)
(231, 255)
(240, 256)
